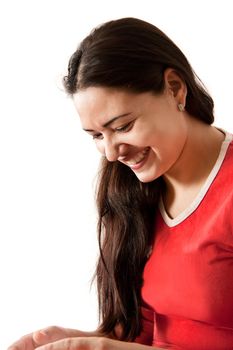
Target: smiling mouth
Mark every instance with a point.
(138, 158)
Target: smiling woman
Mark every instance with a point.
(143, 131)
(164, 197)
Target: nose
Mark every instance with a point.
(111, 151)
(114, 150)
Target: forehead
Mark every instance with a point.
(98, 99)
(96, 105)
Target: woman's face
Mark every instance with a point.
(145, 132)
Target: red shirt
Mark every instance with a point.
(188, 279)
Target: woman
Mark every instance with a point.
(164, 197)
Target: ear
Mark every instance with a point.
(175, 85)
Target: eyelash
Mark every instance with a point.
(123, 128)
(97, 137)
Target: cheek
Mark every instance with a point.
(139, 137)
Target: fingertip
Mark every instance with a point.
(39, 336)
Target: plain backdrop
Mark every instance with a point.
(48, 245)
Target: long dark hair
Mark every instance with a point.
(132, 55)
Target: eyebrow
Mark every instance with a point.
(110, 121)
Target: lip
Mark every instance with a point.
(140, 165)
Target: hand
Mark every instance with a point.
(45, 336)
(94, 343)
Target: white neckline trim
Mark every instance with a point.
(192, 207)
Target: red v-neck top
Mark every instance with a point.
(188, 279)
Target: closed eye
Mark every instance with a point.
(125, 127)
(97, 137)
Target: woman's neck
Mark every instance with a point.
(185, 179)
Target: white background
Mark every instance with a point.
(48, 243)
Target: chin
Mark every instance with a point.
(146, 177)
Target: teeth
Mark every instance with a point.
(138, 158)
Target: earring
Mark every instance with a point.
(181, 107)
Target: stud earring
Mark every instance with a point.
(181, 107)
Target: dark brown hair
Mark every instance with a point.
(128, 54)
